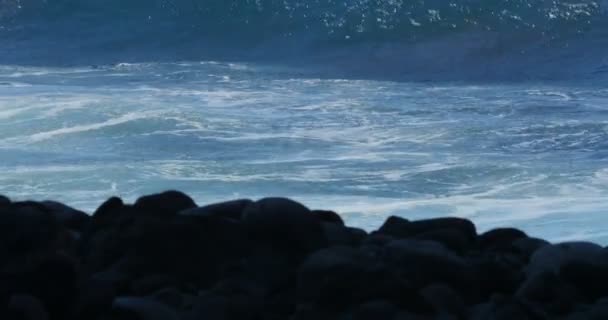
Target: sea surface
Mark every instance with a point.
(492, 110)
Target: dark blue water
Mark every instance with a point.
(492, 110)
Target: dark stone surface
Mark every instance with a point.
(274, 259)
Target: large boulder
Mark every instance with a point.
(67, 216)
(553, 257)
(136, 308)
(164, 203)
(284, 224)
(402, 228)
(426, 262)
(499, 239)
(228, 209)
(328, 216)
(338, 277)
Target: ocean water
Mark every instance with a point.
(492, 110)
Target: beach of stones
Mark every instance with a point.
(165, 257)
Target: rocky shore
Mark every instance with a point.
(164, 257)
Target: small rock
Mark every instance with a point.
(444, 300)
(284, 224)
(499, 239)
(553, 257)
(165, 203)
(452, 239)
(328, 216)
(28, 307)
(142, 309)
(377, 309)
(229, 209)
(395, 226)
(401, 228)
(67, 216)
(525, 247)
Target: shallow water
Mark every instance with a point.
(532, 154)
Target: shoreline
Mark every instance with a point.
(165, 257)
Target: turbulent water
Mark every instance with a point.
(492, 110)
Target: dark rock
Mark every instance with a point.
(444, 300)
(284, 224)
(150, 283)
(173, 298)
(28, 307)
(589, 278)
(426, 262)
(499, 239)
(401, 228)
(553, 257)
(498, 273)
(452, 239)
(378, 309)
(4, 201)
(98, 293)
(142, 309)
(165, 203)
(338, 235)
(377, 239)
(525, 247)
(328, 216)
(552, 294)
(109, 209)
(395, 226)
(505, 308)
(67, 216)
(211, 306)
(229, 209)
(190, 248)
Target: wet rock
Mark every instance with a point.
(498, 273)
(4, 201)
(525, 247)
(425, 262)
(378, 309)
(67, 216)
(165, 203)
(328, 216)
(444, 300)
(395, 227)
(553, 257)
(339, 235)
(229, 209)
(337, 277)
(142, 309)
(452, 239)
(550, 293)
(284, 224)
(27, 307)
(500, 238)
(210, 306)
(402, 228)
(589, 278)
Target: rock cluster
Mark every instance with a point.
(164, 257)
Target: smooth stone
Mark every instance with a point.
(67, 216)
(424, 262)
(550, 292)
(452, 239)
(377, 309)
(164, 203)
(285, 224)
(553, 257)
(338, 235)
(589, 278)
(402, 228)
(143, 309)
(29, 307)
(210, 306)
(328, 216)
(444, 300)
(229, 209)
(500, 238)
(525, 247)
(395, 226)
(4, 201)
(498, 273)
